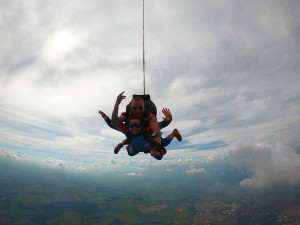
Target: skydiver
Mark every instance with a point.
(138, 142)
(137, 109)
(122, 128)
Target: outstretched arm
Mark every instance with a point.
(115, 120)
(106, 119)
(103, 115)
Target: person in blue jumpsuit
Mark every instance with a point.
(138, 142)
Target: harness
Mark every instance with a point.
(150, 108)
(149, 113)
(145, 123)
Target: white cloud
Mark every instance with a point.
(229, 78)
(132, 174)
(82, 168)
(196, 172)
(270, 165)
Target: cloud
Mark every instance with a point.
(10, 155)
(270, 165)
(196, 172)
(82, 168)
(229, 78)
(132, 174)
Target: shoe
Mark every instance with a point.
(177, 134)
(118, 148)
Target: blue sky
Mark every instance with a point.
(229, 72)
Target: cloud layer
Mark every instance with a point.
(270, 165)
(196, 172)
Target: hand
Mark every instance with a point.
(103, 114)
(167, 113)
(121, 97)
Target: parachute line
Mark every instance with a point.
(144, 77)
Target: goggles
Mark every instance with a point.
(136, 125)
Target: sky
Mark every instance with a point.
(228, 71)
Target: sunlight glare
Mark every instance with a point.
(61, 42)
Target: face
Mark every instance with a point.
(135, 126)
(138, 107)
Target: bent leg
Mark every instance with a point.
(166, 141)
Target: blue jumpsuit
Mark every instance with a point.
(139, 144)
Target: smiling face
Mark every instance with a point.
(138, 107)
(135, 126)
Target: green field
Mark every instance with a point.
(32, 195)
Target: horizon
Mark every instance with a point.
(228, 72)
